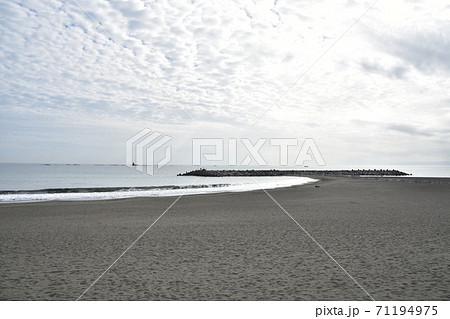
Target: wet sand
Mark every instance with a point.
(392, 237)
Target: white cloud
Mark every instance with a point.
(225, 63)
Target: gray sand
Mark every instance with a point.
(392, 237)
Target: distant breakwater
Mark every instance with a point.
(273, 172)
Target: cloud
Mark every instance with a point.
(396, 72)
(408, 129)
(415, 33)
(224, 63)
(426, 51)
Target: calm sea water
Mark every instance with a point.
(35, 182)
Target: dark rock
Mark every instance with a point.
(333, 173)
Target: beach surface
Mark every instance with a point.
(392, 237)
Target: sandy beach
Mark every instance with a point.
(392, 237)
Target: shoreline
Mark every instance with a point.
(316, 179)
(66, 194)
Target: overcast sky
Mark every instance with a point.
(374, 91)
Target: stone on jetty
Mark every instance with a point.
(332, 173)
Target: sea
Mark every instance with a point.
(45, 182)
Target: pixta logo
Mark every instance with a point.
(141, 150)
(286, 147)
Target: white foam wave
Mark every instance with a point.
(247, 184)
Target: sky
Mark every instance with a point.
(368, 81)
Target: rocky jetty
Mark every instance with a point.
(332, 173)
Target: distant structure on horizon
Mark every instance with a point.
(273, 172)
